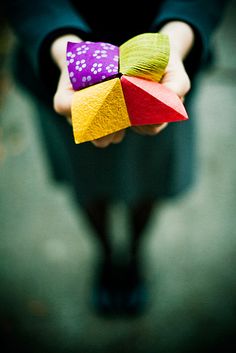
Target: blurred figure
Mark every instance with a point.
(138, 167)
(5, 45)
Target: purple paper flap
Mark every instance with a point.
(91, 62)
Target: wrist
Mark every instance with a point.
(58, 49)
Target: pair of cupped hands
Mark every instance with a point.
(181, 38)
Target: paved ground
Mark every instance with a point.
(47, 254)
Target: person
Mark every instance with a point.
(138, 166)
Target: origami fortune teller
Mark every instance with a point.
(118, 87)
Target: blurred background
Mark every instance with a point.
(48, 253)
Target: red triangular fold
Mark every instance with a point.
(150, 102)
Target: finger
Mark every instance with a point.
(118, 136)
(159, 128)
(103, 142)
(155, 129)
(141, 130)
(177, 81)
(63, 97)
(150, 130)
(69, 120)
(62, 102)
(178, 84)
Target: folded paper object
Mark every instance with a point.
(150, 102)
(116, 88)
(91, 62)
(99, 110)
(145, 55)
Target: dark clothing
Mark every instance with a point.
(141, 167)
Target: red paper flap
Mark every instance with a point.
(150, 102)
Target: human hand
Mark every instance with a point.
(64, 94)
(175, 77)
(62, 105)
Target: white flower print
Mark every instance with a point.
(107, 46)
(70, 56)
(98, 54)
(96, 68)
(86, 78)
(80, 65)
(82, 49)
(111, 68)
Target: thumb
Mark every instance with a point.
(62, 102)
(177, 80)
(63, 97)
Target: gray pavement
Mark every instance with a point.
(47, 252)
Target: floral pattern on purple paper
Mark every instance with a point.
(91, 62)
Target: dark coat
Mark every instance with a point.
(141, 167)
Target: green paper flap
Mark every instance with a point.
(145, 55)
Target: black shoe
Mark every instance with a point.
(120, 290)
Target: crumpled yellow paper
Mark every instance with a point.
(99, 110)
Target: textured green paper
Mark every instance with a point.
(145, 55)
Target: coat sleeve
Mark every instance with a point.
(203, 15)
(35, 22)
